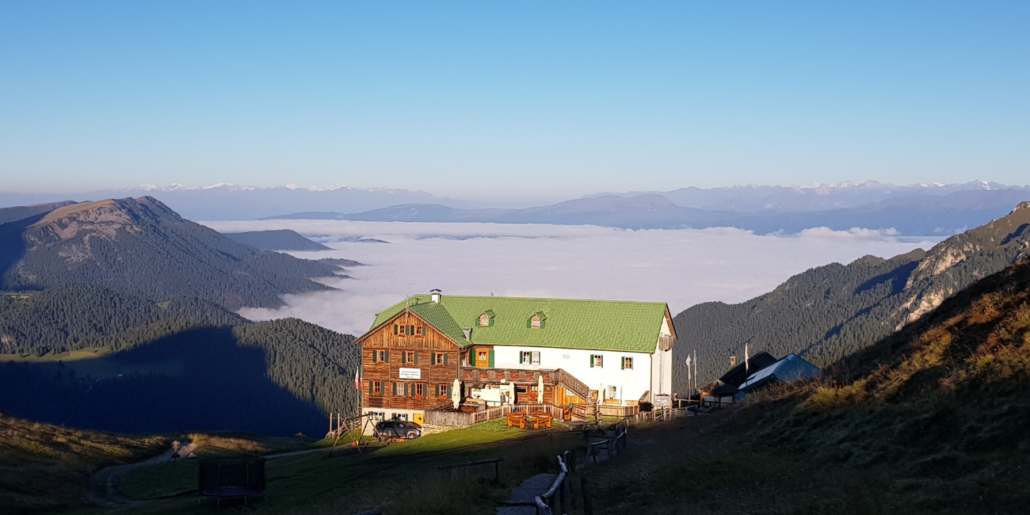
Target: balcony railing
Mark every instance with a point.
(516, 375)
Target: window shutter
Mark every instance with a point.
(395, 388)
(405, 389)
(394, 329)
(404, 357)
(522, 357)
(437, 391)
(387, 356)
(591, 361)
(445, 360)
(624, 363)
(491, 322)
(432, 358)
(416, 358)
(491, 364)
(542, 323)
(529, 324)
(370, 388)
(375, 356)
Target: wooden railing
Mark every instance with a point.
(572, 384)
(515, 375)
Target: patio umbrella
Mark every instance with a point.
(456, 394)
(540, 390)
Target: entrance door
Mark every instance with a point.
(483, 358)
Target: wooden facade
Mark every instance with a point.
(408, 342)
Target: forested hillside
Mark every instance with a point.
(141, 247)
(278, 377)
(79, 316)
(829, 312)
(283, 239)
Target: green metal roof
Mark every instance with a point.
(571, 324)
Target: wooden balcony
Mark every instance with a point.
(476, 375)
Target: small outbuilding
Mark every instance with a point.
(786, 370)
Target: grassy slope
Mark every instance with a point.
(44, 466)
(401, 478)
(930, 420)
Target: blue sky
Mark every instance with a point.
(503, 100)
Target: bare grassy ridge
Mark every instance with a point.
(45, 467)
(930, 420)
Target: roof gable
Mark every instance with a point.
(573, 324)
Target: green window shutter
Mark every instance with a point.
(623, 363)
(370, 387)
(543, 323)
(375, 356)
(491, 322)
(416, 358)
(395, 388)
(437, 391)
(529, 324)
(405, 389)
(432, 358)
(491, 364)
(522, 358)
(445, 360)
(404, 357)
(387, 356)
(395, 329)
(591, 361)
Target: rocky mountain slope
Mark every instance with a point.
(141, 247)
(15, 213)
(828, 312)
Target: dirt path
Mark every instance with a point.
(102, 488)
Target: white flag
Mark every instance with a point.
(688, 369)
(746, 364)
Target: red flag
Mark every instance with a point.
(357, 379)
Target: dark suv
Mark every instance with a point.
(389, 429)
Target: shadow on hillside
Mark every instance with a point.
(198, 380)
(12, 244)
(898, 278)
(1015, 234)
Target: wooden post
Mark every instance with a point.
(588, 509)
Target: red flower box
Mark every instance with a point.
(483, 376)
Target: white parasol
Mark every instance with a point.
(540, 390)
(456, 394)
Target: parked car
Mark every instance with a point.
(389, 429)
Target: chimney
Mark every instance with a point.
(435, 295)
(468, 333)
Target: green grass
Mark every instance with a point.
(399, 478)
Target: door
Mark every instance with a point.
(420, 419)
(483, 358)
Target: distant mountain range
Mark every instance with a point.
(831, 311)
(945, 214)
(232, 202)
(920, 209)
(140, 247)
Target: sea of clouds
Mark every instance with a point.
(680, 267)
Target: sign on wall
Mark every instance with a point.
(411, 373)
(660, 401)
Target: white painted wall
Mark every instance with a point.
(630, 384)
(661, 366)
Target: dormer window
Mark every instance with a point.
(537, 321)
(486, 319)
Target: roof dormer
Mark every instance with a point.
(486, 319)
(537, 321)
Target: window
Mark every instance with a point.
(377, 387)
(380, 356)
(443, 390)
(410, 357)
(529, 358)
(613, 392)
(627, 363)
(420, 390)
(400, 389)
(439, 358)
(595, 361)
(400, 417)
(418, 330)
